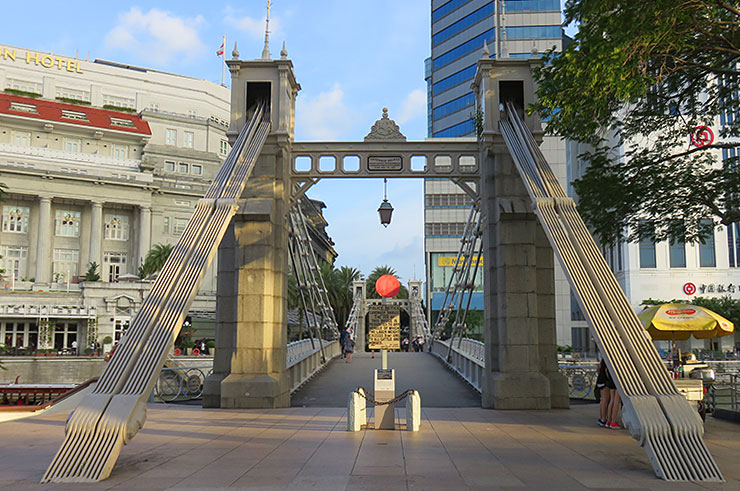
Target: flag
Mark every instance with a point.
(220, 50)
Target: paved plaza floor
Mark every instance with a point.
(187, 447)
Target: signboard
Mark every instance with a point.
(41, 59)
(384, 163)
(449, 261)
(384, 327)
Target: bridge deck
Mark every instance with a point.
(308, 448)
(437, 385)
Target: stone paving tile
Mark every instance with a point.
(186, 447)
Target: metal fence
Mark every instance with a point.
(466, 358)
(581, 380)
(176, 384)
(724, 393)
(303, 359)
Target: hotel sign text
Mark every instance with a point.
(40, 59)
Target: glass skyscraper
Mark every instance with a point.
(510, 28)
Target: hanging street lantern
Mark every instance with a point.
(385, 210)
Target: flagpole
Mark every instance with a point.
(223, 63)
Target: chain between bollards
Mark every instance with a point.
(372, 400)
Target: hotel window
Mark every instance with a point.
(15, 219)
(183, 168)
(24, 85)
(73, 145)
(22, 138)
(171, 137)
(647, 253)
(166, 225)
(65, 264)
(116, 227)
(80, 116)
(733, 244)
(126, 123)
(197, 169)
(187, 139)
(114, 265)
(78, 95)
(180, 225)
(110, 100)
(120, 151)
(23, 108)
(707, 256)
(153, 106)
(169, 166)
(224, 147)
(67, 223)
(677, 254)
(14, 261)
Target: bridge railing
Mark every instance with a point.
(466, 358)
(304, 359)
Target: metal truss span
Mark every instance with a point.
(655, 413)
(114, 412)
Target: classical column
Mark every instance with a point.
(145, 233)
(96, 235)
(43, 243)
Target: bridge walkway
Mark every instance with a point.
(438, 386)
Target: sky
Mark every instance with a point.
(351, 59)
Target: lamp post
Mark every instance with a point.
(385, 210)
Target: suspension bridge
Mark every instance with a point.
(520, 222)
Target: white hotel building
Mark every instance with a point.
(101, 162)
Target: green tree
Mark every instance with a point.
(377, 273)
(648, 74)
(92, 273)
(155, 259)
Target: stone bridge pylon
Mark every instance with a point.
(520, 308)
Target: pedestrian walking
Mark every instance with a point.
(349, 348)
(342, 337)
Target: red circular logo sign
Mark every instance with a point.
(689, 288)
(680, 311)
(702, 136)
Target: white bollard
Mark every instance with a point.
(356, 411)
(413, 411)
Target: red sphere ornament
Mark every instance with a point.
(387, 286)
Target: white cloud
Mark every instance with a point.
(413, 106)
(156, 36)
(325, 117)
(254, 27)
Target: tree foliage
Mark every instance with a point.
(155, 259)
(635, 83)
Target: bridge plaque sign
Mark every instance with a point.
(384, 329)
(377, 164)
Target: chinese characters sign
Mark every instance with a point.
(384, 327)
(702, 288)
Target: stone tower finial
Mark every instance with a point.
(283, 52)
(235, 53)
(266, 49)
(486, 53)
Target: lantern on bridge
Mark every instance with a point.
(387, 286)
(385, 210)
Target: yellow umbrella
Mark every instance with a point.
(679, 321)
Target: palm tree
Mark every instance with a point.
(377, 273)
(155, 259)
(345, 276)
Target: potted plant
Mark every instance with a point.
(188, 344)
(107, 344)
